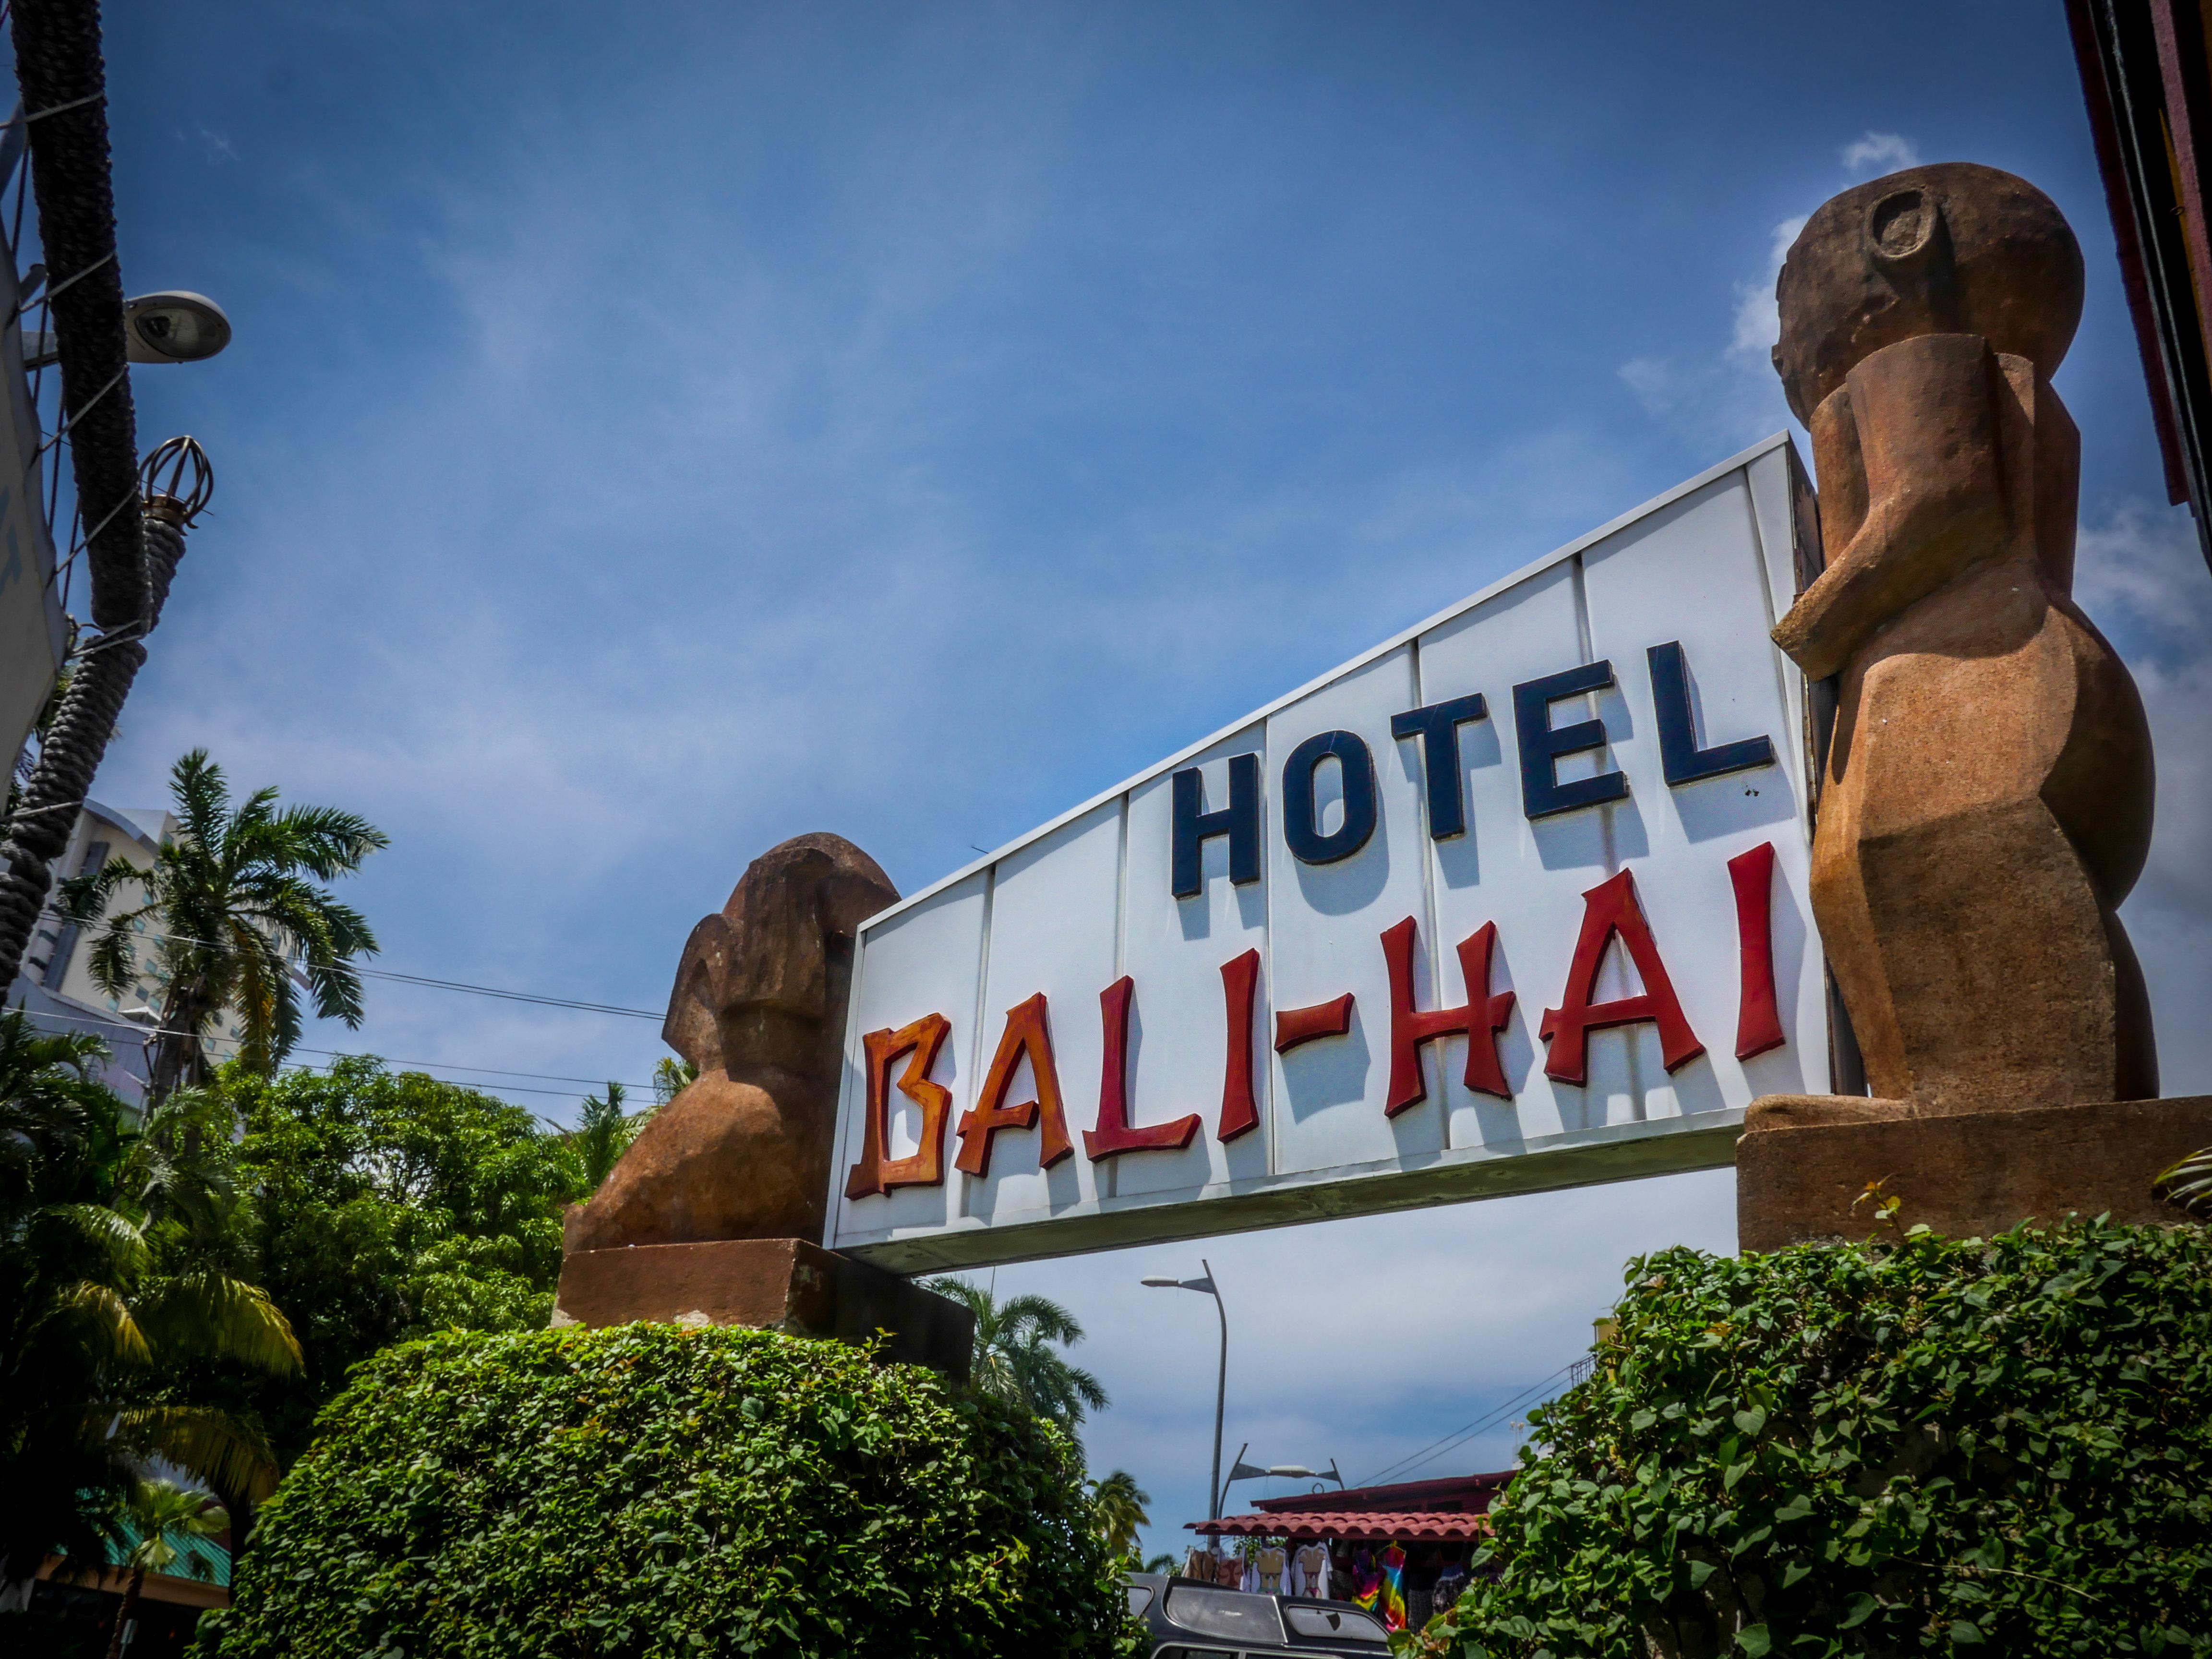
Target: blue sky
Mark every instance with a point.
(654, 431)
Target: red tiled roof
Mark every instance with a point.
(1471, 1493)
(1364, 1525)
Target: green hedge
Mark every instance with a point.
(1929, 1446)
(651, 1491)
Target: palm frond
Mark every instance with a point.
(2189, 1184)
(227, 1451)
(118, 1241)
(327, 841)
(103, 1320)
(208, 1313)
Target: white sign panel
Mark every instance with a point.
(1515, 901)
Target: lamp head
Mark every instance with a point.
(1168, 1282)
(174, 327)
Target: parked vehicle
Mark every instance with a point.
(1185, 1619)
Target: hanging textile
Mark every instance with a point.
(1309, 1572)
(1451, 1585)
(1366, 1581)
(1394, 1588)
(1272, 1561)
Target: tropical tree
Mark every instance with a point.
(234, 909)
(389, 1205)
(1019, 1354)
(670, 1077)
(602, 1133)
(106, 1316)
(1117, 1508)
(160, 1511)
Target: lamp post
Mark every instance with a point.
(1161, 1281)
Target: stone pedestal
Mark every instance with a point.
(785, 1285)
(1803, 1160)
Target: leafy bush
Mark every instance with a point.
(653, 1491)
(1925, 1446)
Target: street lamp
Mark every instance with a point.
(1240, 1470)
(175, 326)
(1161, 1281)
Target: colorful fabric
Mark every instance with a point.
(1309, 1571)
(1366, 1582)
(1393, 1589)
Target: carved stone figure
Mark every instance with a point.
(759, 1008)
(1986, 798)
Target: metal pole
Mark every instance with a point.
(1220, 1395)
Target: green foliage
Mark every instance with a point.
(654, 1492)
(1117, 1506)
(119, 1316)
(388, 1204)
(604, 1132)
(234, 899)
(2189, 1184)
(670, 1077)
(160, 1512)
(1019, 1357)
(1924, 1446)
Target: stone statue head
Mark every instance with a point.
(1955, 248)
(779, 947)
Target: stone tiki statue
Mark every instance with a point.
(759, 1008)
(1985, 803)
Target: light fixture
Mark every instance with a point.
(174, 327)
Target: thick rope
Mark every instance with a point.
(38, 833)
(57, 62)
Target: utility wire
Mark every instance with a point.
(1436, 1448)
(118, 1021)
(441, 984)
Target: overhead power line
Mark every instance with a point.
(511, 996)
(1436, 1448)
(447, 984)
(118, 1021)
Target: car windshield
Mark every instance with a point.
(1343, 1624)
(1225, 1613)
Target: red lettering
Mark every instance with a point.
(925, 1167)
(1608, 908)
(1480, 1018)
(1324, 1020)
(1240, 1108)
(1027, 1033)
(1113, 1134)
(1759, 1014)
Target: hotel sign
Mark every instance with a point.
(1514, 901)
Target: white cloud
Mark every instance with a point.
(1757, 325)
(1878, 153)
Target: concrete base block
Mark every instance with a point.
(1804, 1160)
(785, 1285)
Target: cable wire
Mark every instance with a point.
(118, 1021)
(439, 984)
(1436, 1448)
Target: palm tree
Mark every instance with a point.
(235, 911)
(1018, 1354)
(108, 1308)
(158, 1510)
(1117, 1506)
(670, 1077)
(603, 1133)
